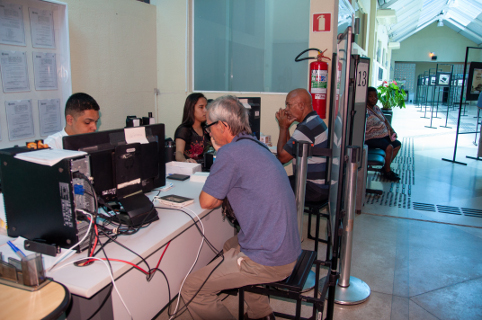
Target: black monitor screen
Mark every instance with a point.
(116, 165)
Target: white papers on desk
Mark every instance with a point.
(48, 157)
(199, 176)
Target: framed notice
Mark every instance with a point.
(474, 87)
(443, 78)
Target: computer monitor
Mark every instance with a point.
(125, 163)
(253, 105)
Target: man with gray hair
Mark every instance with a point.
(257, 187)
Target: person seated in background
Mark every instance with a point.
(81, 116)
(268, 243)
(190, 138)
(380, 134)
(310, 128)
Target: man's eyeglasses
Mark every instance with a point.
(208, 129)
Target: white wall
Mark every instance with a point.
(113, 58)
(122, 50)
(448, 45)
(175, 59)
(113, 55)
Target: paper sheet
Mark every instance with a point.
(12, 29)
(48, 157)
(136, 135)
(42, 28)
(45, 70)
(13, 65)
(19, 119)
(49, 116)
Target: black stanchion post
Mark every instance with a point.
(460, 111)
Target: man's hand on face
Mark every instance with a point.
(284, 118)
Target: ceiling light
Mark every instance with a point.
(440, 23)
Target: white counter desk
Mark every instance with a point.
(90, 285)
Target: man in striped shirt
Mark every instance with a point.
(310, 128)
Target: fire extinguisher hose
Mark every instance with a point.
(297, 59)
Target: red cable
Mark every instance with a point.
(159, 262)
(136, 266)
(96, 238)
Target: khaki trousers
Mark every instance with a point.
(235, 271)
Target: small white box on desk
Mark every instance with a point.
(199, 177)
(182, 167)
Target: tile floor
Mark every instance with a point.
(420, 247)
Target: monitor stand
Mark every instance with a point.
(139, 209)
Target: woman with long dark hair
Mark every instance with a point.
(191, 140)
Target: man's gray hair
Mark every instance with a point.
(228, 109)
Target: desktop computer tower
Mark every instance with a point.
(41, 201)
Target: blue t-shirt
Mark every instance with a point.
(314, 130)
(260, 194)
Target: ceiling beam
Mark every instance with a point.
(462, 28)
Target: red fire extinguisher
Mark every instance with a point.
(318, 80)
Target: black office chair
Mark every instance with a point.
(375, 158)
(292, 287)
(314, 209)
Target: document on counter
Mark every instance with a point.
(42, 28)
(48, 157)
(19, 119)
(45, 70)
(12, 30)
(49, 116)
(14, 71)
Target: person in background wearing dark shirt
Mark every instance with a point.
(191, 140)
(310, 128)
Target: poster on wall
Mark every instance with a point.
(433, 80)
(12, 29)
(49, 116)
(474, 87)
(443, 78)
(42, 28)
(14, 71)
(45, 71)
(19, 119)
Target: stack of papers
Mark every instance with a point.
(48, 157)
